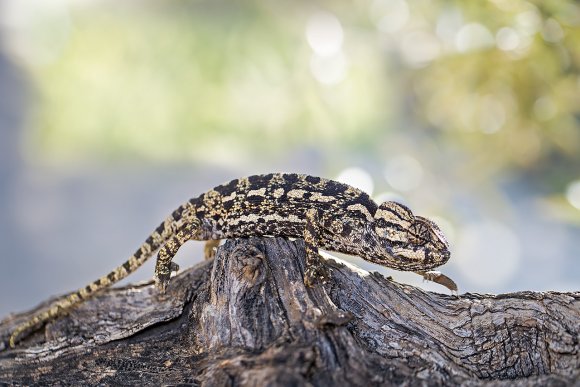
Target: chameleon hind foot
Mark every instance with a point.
(164, 266)
(163, 275)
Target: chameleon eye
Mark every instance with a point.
(418, 233)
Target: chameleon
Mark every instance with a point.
(327, 214)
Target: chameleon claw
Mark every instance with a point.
(161, 282)
(163, 275)
(162, 279)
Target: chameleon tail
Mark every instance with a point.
(60, 307)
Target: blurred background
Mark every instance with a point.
(114, 113)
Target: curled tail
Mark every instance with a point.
(62, 306)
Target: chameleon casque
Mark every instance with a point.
(327, 214)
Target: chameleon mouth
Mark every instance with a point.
(444, 257)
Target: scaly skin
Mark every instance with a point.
(327, 214)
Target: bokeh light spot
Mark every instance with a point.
(357, 177)
(404, 173)
(492, 115)
(487, 253)
(390, 16)
(324, 34)
(544, 108)
(36, 31)
(419, 48)
(529, 22)
(573, 194)
(552, 31)
(390, 196)
(328, 70)
(473, 36)
(507, 39)
(448, 23)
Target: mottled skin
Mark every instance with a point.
(327, 214)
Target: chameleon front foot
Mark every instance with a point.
(316, 273)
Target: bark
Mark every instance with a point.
(246, 318)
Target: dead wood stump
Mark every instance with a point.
(246, 318)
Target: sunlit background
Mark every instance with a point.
(113, 113)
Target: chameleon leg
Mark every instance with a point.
(209, 248)
(164, 266)
(315, 269)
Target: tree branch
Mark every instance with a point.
(246, 318)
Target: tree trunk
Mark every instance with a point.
(246, 318)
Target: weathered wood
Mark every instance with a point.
(247, 319)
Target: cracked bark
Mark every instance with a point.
(247, 319)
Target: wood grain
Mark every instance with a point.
(246, 318)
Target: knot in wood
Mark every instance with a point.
(247, 260)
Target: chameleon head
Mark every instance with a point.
(416, 242)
